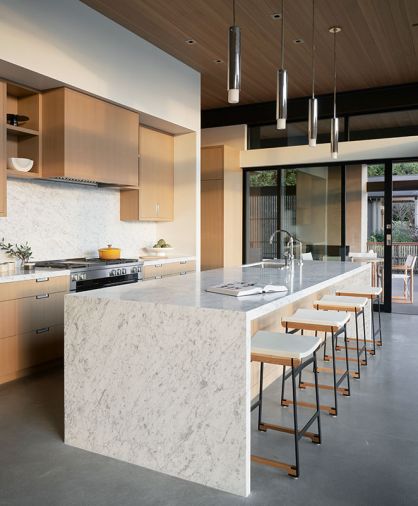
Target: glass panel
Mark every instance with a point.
(310, 205)
(404, 237)
(382, 125)
(261, 213)
(296, 134)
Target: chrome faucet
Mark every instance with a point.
(289, 256)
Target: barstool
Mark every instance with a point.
(334, 322)
(373, 293)
(286, 350)
(355, 305)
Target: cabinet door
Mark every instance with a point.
(156, 175)
(212, 230)
(212, 163)
(3, 151)
(101, 142)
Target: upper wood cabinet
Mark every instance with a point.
(154, 199)
(88, 138)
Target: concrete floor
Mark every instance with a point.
(369, 454)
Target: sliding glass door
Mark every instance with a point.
(307, 202)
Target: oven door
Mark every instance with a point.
(94, 284)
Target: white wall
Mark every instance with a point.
(234, 136)
(61, 220)
(348, 151)
(69, 42)
(183, 232)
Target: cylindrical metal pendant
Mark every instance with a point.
(334, 138)
(234, 64)
(281, 102)
(313, 121)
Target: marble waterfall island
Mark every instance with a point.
(158, 373)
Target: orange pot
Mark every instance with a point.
(109, 253)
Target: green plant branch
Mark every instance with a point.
(20, 251)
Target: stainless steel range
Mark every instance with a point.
(93, 273)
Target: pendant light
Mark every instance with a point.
(234, 60)
(281, 101)
(313, 102)
(334, 121)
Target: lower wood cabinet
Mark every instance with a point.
(178, 268)
(31, 326)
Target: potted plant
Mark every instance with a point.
(21, 252)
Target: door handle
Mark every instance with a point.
(389, 240)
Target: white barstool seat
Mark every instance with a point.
(296, 352)
(278, 345)
(321, 321)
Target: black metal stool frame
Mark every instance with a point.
(295, 370)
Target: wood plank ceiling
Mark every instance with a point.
(377, 47)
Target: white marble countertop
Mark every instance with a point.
(191, 290)
(22, 275)
(169, 260)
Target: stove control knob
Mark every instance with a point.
(83, 276)
(134, 270)
(74, 277)
(123, 271)
(119, 272)
(112, 272)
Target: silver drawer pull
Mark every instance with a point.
(42, 280)
(158, 265)
(183, 261)
(43, 296)
(42, 331)
(183, 273)
(158, 277)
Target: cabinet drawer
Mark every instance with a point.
(175, 268)
(8, 318)
(153, 271)
(37, 347)
(39, 312)
(31, 287)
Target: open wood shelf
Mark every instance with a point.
(22, 175)
(17, 130)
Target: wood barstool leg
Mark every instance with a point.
(295, 422)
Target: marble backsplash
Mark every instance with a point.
(62, 220)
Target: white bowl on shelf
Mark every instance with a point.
(20, 164)
(159, 252)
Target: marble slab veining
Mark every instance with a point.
(161, 387)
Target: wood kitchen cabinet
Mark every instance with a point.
(89, 139)
(31, 324)
(154, 199)
(221, 207)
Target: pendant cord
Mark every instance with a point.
(282, 48)
(313, 49)
(233, 12)
(335, 74)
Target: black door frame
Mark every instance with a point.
(388, 180)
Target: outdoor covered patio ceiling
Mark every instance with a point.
(377, 47)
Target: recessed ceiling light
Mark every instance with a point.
(190, 41)
(218, 61)
(277, 15)
(299, 41)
